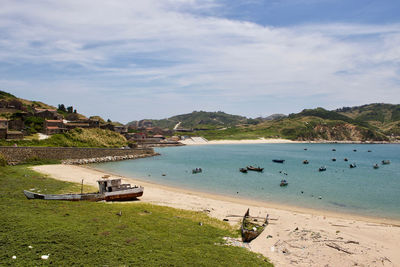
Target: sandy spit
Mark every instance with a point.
(294, 237)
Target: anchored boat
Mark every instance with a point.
(109, 190)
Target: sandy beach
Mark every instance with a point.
(294, 237)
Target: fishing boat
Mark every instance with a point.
(278, 160)
(197, 170)
(251, 228)
(109, 190)
(345, 159)
(305, 148)
(376, 166)
(283, 183)
(322, 169)
(244, 170)
(334, 159)
(333, 149)
(353, 165)
(385, 162)
(252, 168)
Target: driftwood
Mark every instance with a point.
(334, 240)
(336, 246)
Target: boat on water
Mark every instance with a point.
(109, 190)
(305, 161)
(385, 162)
(353, 165)
(251, 228)
(197, 170)
(322, 169)
(346, 159)
(283, 183)
(376, 166)
(278, 160)
(244, 170)
(252, 168)
(333, 159)
(333, 149)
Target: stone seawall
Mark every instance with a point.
(72, 155)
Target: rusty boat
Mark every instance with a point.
(109, 190)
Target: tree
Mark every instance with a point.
(70, 109)
(61, 107)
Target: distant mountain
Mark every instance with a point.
(373, 122)
(196, 119)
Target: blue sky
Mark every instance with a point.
(129, 60)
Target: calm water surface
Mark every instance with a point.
(361, 190)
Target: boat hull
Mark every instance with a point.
(249, 235)
(122, 195)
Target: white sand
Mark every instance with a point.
(367, 241)
(190, 141)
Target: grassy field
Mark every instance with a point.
(91, 234)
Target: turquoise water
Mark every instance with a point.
(361, 190)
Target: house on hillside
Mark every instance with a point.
(5, 133)
(53, 127)
(116, 128)
(49, 114)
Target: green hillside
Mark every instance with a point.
(199, 119)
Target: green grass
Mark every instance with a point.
(75, 138)
(91, 234)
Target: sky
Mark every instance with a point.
(131, 60)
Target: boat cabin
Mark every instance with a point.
(112, 185)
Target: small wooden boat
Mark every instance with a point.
(197, 170)
(353, 165)
(355, 150)
(244, 170)
(385, 162)
(334, 159)
(109, 190)
(322, 169)
(305, 148)
(278, 160)
(369, 150)
(251, 228)
(376, 166)
(345, 159)
(305, 161)
(333, 149)
(252, 168)
(283, 183)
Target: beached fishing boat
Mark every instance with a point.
(278, 160)
(244, 170)
(251, 228)
(109, 190)
(252, 168)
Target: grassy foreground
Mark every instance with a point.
(91, 234)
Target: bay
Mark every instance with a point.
(362, 190)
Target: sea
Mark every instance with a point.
(362, 190)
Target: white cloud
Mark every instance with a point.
(149, 48)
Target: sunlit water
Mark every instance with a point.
(361, 190)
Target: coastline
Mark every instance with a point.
(377, 236)
(191, 142)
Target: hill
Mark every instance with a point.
(196, 119)
(316, 125)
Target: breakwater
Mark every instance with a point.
(73, 155)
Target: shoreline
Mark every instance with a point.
(191, 142)
(301, 237)
(253, 202)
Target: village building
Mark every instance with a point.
(53, 127)
(49, 114)
(15, 135)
